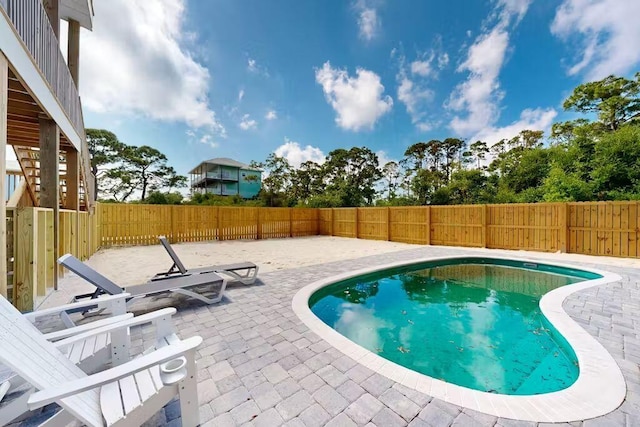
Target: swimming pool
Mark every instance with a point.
(486, 333)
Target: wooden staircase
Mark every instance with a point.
(29, 160)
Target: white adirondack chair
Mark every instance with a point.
(125, 395)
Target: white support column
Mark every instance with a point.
(4, 90)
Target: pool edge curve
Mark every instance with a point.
(599, 389)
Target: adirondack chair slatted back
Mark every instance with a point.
(89, 274)
(40, 363)
(173, 254)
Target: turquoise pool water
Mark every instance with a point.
(472, 322)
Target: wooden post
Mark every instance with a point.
(73, 51)
(485, 227)
(357, 223)
(4, 90)
(259, 224)
(428, 208)
(290, 222)
(52, 7)
(332, 221)
(388, 224)
(563, 227)
(220, 238)
(26, 262)
(72, 201)
(50, 176)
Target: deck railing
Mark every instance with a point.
(32, 24)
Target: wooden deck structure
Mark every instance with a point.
(41, 119)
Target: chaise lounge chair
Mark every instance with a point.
(188, 284)
(243, 272)
(40, 372)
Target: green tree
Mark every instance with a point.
(352, 174)
(479, 151)
(614, 99)
(417, 154)
(391, 173)
(616, 172)
(451, 148)
(104, 148)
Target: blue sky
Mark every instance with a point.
(244, 78)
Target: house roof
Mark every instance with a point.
(225, 161)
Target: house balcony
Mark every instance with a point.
(41, 86)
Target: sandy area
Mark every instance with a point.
(134, 265)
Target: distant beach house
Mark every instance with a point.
(226, 177)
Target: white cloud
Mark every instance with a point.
(368, 20)
(443, 60)
(414, 98)
(607, 32)
(296, 155)
(479, 96)
(247, 123)
(201, 137)
(413, 81)
(271, 115)
(255, 68)
(139, 59)
(421, 68)
(208, 140)
(477, 99)
(538, 119)
(240, 95)
(251, 65)
(383, 158)
(358, 101)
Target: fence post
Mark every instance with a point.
(563, 227)
(485, 228)
(388, 224)
(290, 222)
(25, 261)
(219, 220)
(357, 223)
(332, 220)
(259, 231)
(172, 225)
(428, 208)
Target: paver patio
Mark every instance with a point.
(260, 365)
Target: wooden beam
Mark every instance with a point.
(4, 90)
(52, 7)
(49, 175)
(72, 180)
(73, 51)
(26, 258)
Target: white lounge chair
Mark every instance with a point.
(125, 395)
(190, 285)
(243, 272)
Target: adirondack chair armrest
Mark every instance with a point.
(102, 302)
(66, 333)
(135, 321)
(182, 348)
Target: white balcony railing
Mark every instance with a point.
(32, 24)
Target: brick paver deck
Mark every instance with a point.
(260, 365)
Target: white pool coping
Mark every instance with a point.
(599, 389)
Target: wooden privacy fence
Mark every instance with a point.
(599, 228)
(31, 267)
(142, 224)
(594, 228)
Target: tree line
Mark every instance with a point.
(595, 156)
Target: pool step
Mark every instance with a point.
(546, 369)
